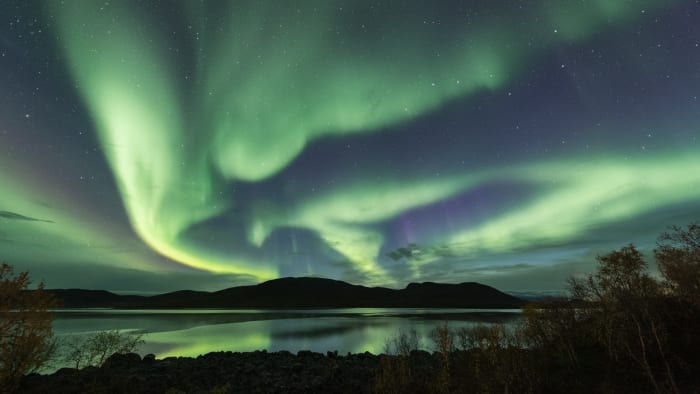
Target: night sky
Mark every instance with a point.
(161, 145)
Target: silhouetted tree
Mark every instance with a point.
(96, 348)
(678, 256)
(620, 329)
(497, 361)
(26, 339)
(444, 343)
(622, 312)
(395, 372)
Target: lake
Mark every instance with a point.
(194, 332)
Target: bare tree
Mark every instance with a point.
(95, 349)
(395, 373)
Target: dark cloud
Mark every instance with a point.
(127, 280)
(16, 216)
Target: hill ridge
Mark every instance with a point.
(303, 292)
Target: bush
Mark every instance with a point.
(617, 318)
(444, 343)
(620, 329)
(678, 256)
(395, 373)
(498, 361)
(95, 349)
(26, 339)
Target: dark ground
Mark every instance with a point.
(220, 372)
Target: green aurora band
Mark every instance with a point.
(243, 101)
(58, 233)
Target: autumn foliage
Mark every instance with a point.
(622, 329)
(26, 340)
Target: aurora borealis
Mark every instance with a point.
(150, 146)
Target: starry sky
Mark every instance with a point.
(148, 146)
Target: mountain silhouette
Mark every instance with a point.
(302, 292)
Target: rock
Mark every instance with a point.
(117, 360)
(263, 372)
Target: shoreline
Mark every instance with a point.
(222, 372)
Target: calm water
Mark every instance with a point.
(194, 332)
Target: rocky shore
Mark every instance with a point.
(219, 372)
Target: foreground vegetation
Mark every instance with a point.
(26, 339)
(27, 343)
(620, 329)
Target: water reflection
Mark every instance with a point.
(194, 332)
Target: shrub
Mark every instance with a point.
(678, 256)
(620, 329)
(395, 373)
(95, 349)
(26, 339)
(444, 342)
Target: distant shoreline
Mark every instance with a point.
(495, 309)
